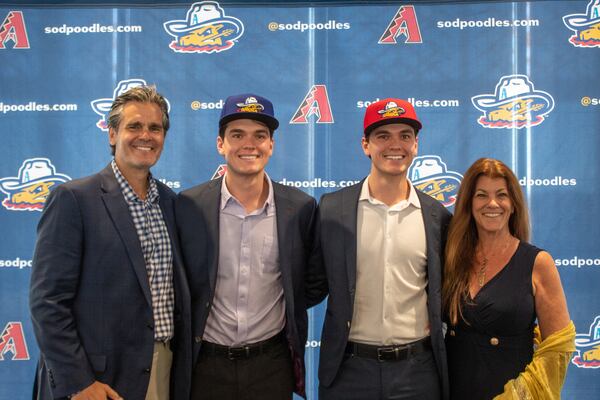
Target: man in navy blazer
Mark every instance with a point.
(246, 241)
(108, 296)
(382, 243)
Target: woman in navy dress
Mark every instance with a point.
(496, 285)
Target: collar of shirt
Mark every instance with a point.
(228, 200)
(413, 199)
(128, 192)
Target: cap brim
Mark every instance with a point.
(408, 121)
(271, 122)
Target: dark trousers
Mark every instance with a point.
(415, 378)
(265, 376)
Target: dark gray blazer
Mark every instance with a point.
(90, 296)
(197, 215)
(337, 226)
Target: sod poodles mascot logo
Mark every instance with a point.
(102, 106)
(586, 26)
(28, 191)
(514, 104)
(430, 175)
(588, 347)
(206, 29)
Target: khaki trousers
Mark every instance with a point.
(158, 388)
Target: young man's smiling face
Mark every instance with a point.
(247, 146)
(392, 148)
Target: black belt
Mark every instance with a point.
(242, 352)
(388, 353)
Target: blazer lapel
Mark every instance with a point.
(285, 242)
(431, 220)
(166, 206)
(121, 217)
(212, 204)
(349, 208)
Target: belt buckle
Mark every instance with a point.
(234, 353)
(386, 352)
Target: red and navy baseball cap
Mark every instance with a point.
(248, 106)
(390, 111)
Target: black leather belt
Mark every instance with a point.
(242, 352)
(388, 353)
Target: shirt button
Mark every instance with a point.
(147, 370)
(197, 339)
(494, 341)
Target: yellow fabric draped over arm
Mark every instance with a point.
(545, 374)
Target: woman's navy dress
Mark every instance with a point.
(497, 343)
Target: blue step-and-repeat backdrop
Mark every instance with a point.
(515, 81)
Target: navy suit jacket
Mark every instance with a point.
(337, 242)
(90, 297)
(197, 215)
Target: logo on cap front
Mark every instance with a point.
(391, 110)
(250, 105)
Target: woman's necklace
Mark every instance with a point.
(481, 272)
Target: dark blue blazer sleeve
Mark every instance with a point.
(54, 281)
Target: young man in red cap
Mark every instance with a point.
(382, 243)
(246, 241)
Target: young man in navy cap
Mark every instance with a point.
(246, 242)
(382, 245)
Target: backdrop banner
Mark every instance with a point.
(513, 81)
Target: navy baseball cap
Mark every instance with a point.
(248, 106)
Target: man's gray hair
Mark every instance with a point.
(141, 94)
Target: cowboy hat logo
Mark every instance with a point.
(28, 191)
(586, 26)
(206, 29)
(391, 110)
(430, 175)
(514, 104)
(102, 106)
(250, 105)
(588, 347)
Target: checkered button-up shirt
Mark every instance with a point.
(156, 247)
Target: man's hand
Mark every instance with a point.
(97, 391)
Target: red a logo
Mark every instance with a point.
(13, 29)
(315, 102)
(404, 24)
(12, 341)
